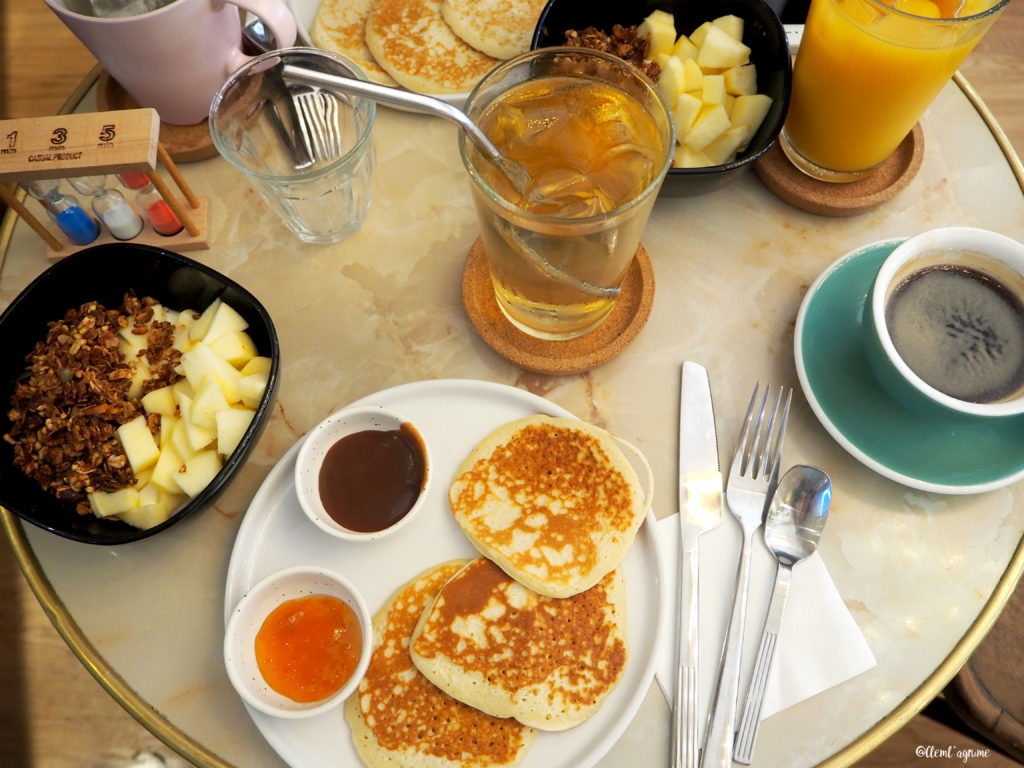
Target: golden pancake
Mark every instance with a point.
(338, 27)
(553, 501)
(550, 663)
(401, 720)
(411, 41)
(499, 28)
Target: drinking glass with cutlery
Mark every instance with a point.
(752, 479)
(700, 510)
(795, 519)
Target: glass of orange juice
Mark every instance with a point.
(595, 138)
(866, 71)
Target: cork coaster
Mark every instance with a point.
(184, 143)
(842, 199)
(560, 358)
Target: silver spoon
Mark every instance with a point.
(418, 102)
(796, 517)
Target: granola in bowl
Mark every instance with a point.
(64, 392)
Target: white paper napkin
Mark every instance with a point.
(819, 646)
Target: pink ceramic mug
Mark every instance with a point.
(175, 58)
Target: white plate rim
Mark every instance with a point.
(646, 554)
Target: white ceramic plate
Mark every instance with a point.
(305, 13)
(452, 416)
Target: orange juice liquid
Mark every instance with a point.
(865, 74)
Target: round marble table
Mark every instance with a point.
(923, 575)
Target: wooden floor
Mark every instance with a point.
(52, 713)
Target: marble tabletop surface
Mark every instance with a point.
(920, 573)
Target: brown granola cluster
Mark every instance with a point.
(73, 396)
(623, 42)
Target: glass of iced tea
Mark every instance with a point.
(866, 71)
(595, 138)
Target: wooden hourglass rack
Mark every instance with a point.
(124, 143)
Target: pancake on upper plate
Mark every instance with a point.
(411, 41)
(399, 719)
(550, 663)
(553, 501)
(338, 27)
(499, 28)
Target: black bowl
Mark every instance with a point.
(105, 273)
(763, 33)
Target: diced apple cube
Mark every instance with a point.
(685, 113)
(145, 516)
(697, 36)
(179, 441)
(660, 30)
(252, 387)
(198, 471)
(711, 123)
(184, 322)
(165, 314)
(208, 400)
(166, 470)
(197, 437)
(750, 110)
(148, 493)
(167, 426)
(720, 50)
(138, 444)
(231, 426)
(160, 401)
(140, 375)
(237, 347)
(685, 157)
(197, 330)
(258, 364)
(742, 80)
(672, 80)
(130, 343)
(151, 514)
(201, 361)
(713, 89)
(684, 49)
(723, 149)
(107, 503)
(182, 388)
(225, 320)
(694, 76)
(731, 24)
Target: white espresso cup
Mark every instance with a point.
(174, 58)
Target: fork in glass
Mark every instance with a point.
(318, 122)
(752, 479)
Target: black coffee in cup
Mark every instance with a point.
(961, 330)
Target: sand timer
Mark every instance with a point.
(149, 200)
(73, 220)
(110, 207)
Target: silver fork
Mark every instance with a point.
(317, 112)
(752, 478)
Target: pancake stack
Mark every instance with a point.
(429, 46)
(398, 718)
(471, 658)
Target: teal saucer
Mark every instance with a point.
(945, 454)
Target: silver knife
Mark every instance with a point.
(700, 510)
